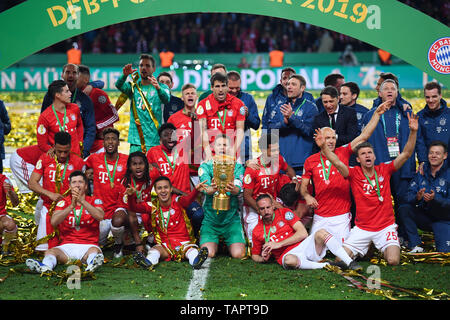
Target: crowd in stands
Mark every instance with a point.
(225, 33)
(222, 33)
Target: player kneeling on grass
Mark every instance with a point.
(370, 185)
(136, 187)
(8, 228)
(281, 235)
(77, 217)
(173, 231)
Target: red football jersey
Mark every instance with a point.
(371, 213)
(143, 192)
(46, 167)
(183, 123)
(105, 112)
(189, 139)
(48, 125)
(30, 154)
(170, 222)
(280, 229)
(230, 112)
(334, 197)
(82, 229)
(266, 179)
(166, 161)
(102, 183)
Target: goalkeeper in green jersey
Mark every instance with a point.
(219, 224)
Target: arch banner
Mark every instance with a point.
(387, 24)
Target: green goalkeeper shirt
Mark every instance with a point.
(205, 172)
(155, 98)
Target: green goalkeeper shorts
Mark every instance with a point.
(231, 233)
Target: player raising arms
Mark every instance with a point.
(370, 185)
(173, 231)
(77, 218)
(332, 201)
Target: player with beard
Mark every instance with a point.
(263, 177)
(109, 169)
(370, 185)
(281, 235)
(220, 113)
(174, 236)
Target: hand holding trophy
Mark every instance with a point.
(223, 171)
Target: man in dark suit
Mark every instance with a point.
(340, 118)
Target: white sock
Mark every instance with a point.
(50, 261)
(306, 264)
(91, 257)
(117, 233)
(191, 255)
(337, 249)
(153, 256)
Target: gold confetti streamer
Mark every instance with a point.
(392, 292)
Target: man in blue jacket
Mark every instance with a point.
(399, 100)
(434, 121)
(272, 117)
(429, 201)
(175, 104)
(296, 124)
(389, 139)
(251, 112)
(70, 76)
(348, 95)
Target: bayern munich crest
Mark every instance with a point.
(439, 55)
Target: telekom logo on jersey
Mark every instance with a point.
(164, 168)
(367, 188)
(215, 123)
(52, 175)
(103, 176)
(265, 182)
